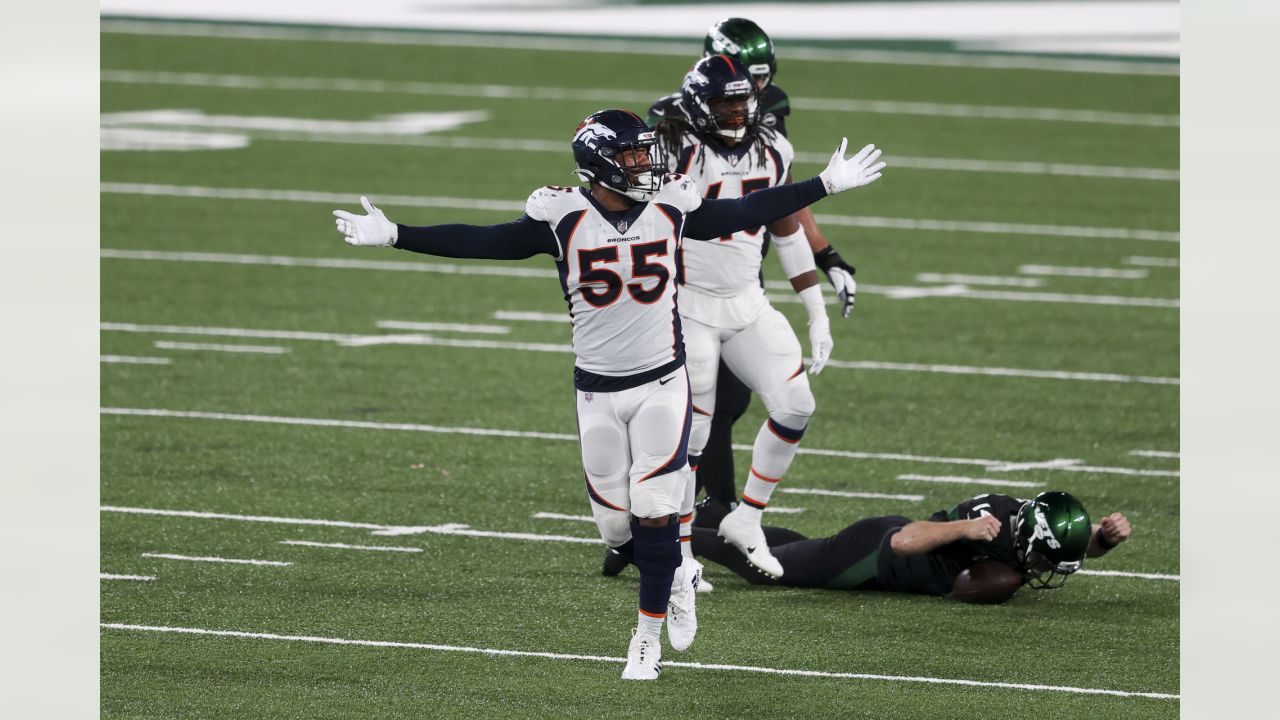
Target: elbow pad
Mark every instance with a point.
(794, 253)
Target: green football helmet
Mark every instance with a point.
(1051, 535)
(745, 42)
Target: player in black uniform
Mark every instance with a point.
(744, 41)
(1045, 539)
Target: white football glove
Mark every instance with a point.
(861, 169)
(373, 230)
(820, 343)
(846, 288)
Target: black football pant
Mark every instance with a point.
(846, 560)
(715, 471)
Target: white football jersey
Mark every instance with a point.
(618, 272)
(730, 265)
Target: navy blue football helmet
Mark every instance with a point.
(720, 77)
(599, 143)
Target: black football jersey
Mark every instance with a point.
(934, 573)
(775, 106)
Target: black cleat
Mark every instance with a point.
(614, 563)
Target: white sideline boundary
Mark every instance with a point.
(138, 578)
(1169, 454)
(348, 199)
(233, 561)
(689, 49)
(895, 292)
(496, 652)
(990, 465)
(351, 340)
(618, 95)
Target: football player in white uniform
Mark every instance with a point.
(615, 246)
(723, 146)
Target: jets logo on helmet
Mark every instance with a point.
(721, 44)
(745, 42)
(1042, 531)
(616, 149)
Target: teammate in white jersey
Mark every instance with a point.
(615, 246)
(727, 317)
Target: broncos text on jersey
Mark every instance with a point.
(618, 270)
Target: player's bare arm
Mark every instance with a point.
(1109, 532)
(922, 536)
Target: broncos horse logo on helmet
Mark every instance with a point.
(616, 149)
(708, 85)
(1051, 535)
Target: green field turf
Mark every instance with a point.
(466, 592)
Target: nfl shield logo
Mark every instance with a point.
(622, 226)
(589, 397)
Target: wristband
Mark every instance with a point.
(1102, 541)
(827, 258)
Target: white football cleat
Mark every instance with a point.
(644, 657)
(744, 532)
(704, 585)
(682, 615)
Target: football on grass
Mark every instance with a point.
(986, 582)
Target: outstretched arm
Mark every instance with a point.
(517, 240)
(922, 536)
(716, 218)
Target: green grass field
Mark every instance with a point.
(386, 446)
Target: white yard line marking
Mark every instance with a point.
(516, 316)
(991, 465)
(264, 349)
(499, 652)
(329, 263)
(512, 206)
(135, 360)
(1171, 454)
(847, 494)
(608, 95)
(235, 561)
(460, 142)
(363, 340)
(1085, 272)
(1054, 464)
(1120, 573)
(443, 327)
(562, 516)
(139, 578)
(978, 280)
(1003, 372)
(892, 291)
(629, 47)
(344, 546)
(971, 480)
(1152, 261)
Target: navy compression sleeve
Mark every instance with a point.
(715, 218)
(517, 240)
